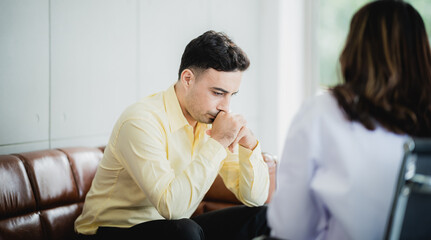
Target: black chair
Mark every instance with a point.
(410, 216)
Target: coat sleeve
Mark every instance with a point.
(295, 212)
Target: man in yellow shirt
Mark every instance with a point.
(166, 150)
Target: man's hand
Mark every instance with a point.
(244, 138)
(226, 127)
(230, 129)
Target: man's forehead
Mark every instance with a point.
(224, 81)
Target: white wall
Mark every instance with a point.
(24, 75)
(93, 68)
(69, 67)
(297, 61)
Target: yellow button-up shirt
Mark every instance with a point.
(156, 167)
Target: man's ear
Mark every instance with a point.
(187, 77)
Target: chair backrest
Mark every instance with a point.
(410, 216)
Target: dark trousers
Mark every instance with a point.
(230, 223)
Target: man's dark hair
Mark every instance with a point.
(213, 50)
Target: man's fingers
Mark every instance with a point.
(237, 139)
(227, 129)
(241, 120)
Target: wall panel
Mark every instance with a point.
(24, 71)
(94, 75)
(165, 29)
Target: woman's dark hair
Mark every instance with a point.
(213, 50)
(386, 68)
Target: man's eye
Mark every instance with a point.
(218, 93)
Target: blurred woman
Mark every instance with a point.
(343, 151)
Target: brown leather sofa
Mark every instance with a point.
(42, 192)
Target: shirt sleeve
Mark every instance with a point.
(294, 212)
(141, 147)
(245, 173)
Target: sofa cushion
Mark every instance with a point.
(51, 177)
(23, 227)
(16, 195)
(84, 163)
(59, 221)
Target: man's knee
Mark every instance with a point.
(260, 211)
(249, 212)
(188, 229)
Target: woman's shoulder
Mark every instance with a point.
(322, 105)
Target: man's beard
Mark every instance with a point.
(207, 120)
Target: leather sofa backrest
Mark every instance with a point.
(42, 192)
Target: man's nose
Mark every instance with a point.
(224, 105)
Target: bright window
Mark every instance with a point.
(332, 27)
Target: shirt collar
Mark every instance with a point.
(173, 110)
